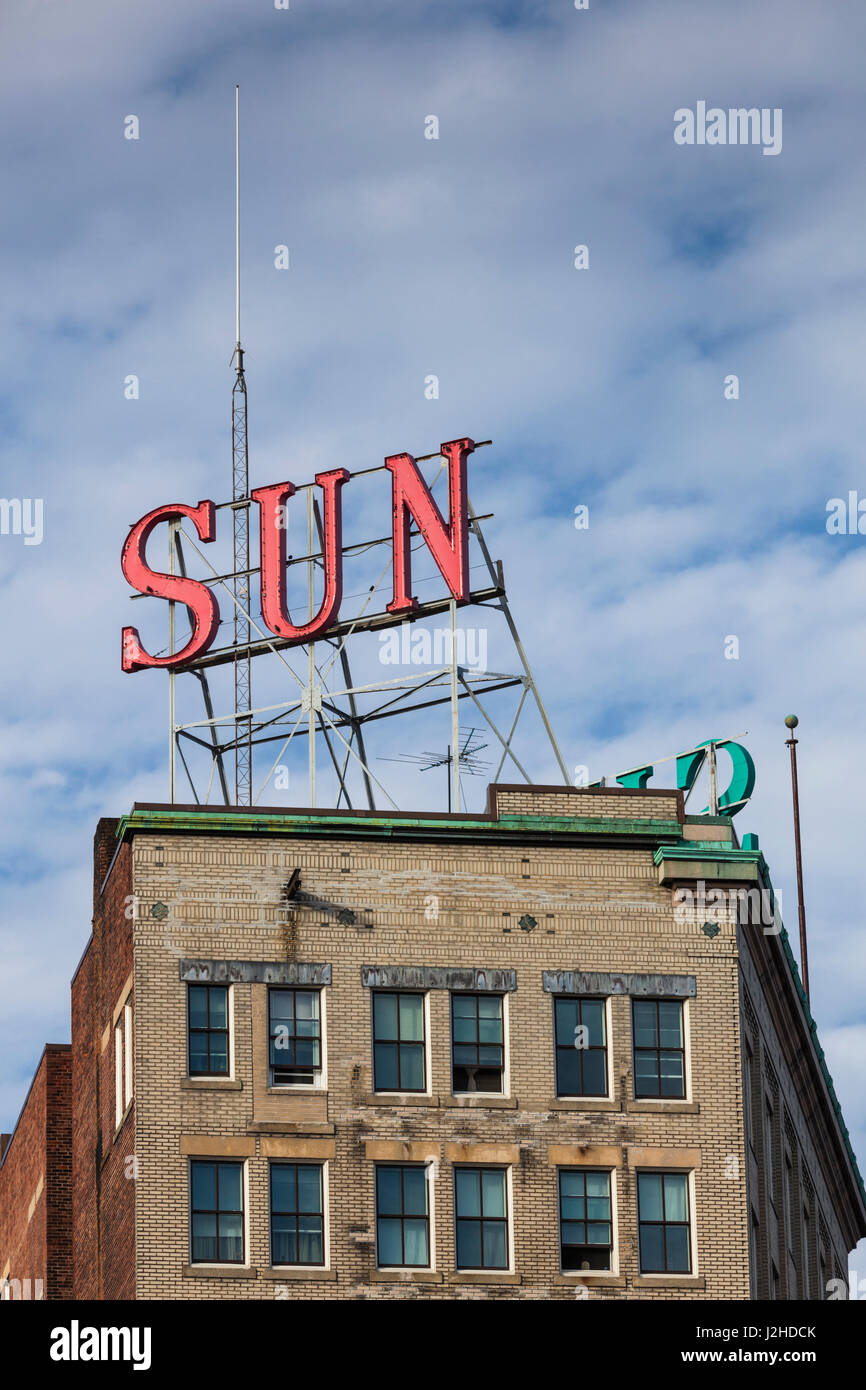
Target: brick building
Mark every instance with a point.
(547, 1051)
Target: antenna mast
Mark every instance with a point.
(240, 498)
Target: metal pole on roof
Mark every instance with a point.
(791, 722)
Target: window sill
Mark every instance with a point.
(395, 1098)
(583, 1103)
(669, 1281)
(480, 1100)
(210, 1083)
(485, 1277)
(406, 1276)
(591, 1278)
(303, 1272)
(219, 1272)
(661, 1107)
(297, 1090)
(311, 1127)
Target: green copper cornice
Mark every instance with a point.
(414, 827)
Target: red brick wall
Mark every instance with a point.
(36, 1244)
(104, 1194)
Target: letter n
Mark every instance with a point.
(271, 502)
(448, 544)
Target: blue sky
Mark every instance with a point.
(452, 257)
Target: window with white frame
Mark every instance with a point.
(122, 1063)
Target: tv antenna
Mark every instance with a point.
(467, 760)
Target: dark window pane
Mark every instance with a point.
(388, 1191)
(411, 1017)
(650, 1196)
(310, 1240)
(597, 1233)
(652, 1255)
(230, 1185)
(282, 1004)
(468, 1191)
(415, 1242)
(594, 1077)
(219, 1052)
(492, 1194)
(489, 1006)
(677, 1239)
(218, 1008)
(645, 1029)
(197, 1006)
(390, 1241)
(385, 1063)
(567, 1020)
(567, 1072)
(198, 1052)
(463, 1005)
(231, 1240)
(670, 1025)
(469, 1244)
(309, 1188)
(495, 1245)
(489, 1030)
(204, 1242)
(284, 1241)
(385, 1016)
(412, 1067)
(204, 1186)
(415, 1191)
(676, 1198)
(592, 1017)
(646, 1074)
(465, 1030)
(283, 1187)
(672, 1080)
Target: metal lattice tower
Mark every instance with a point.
(240, 494)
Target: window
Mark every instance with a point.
(402, 1215)
(297, 1214)
(585, 1227)
(769, 1154)
(477, 1042)
(806, 1252)
(482, 1222)
(659, 1049)
(581, 1047)
(217, 1212)
(754, 1241)
(663, 1219)
(122, 1063)
(208, 1014)
(790, 1201)
(748, 1093)
(295, 1036)
(398, 1042)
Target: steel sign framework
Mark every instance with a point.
(311, 690)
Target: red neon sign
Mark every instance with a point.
(448, 543)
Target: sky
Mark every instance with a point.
(452, 257)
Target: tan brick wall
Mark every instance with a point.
(596, 909)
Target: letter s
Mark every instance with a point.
(202, 604)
